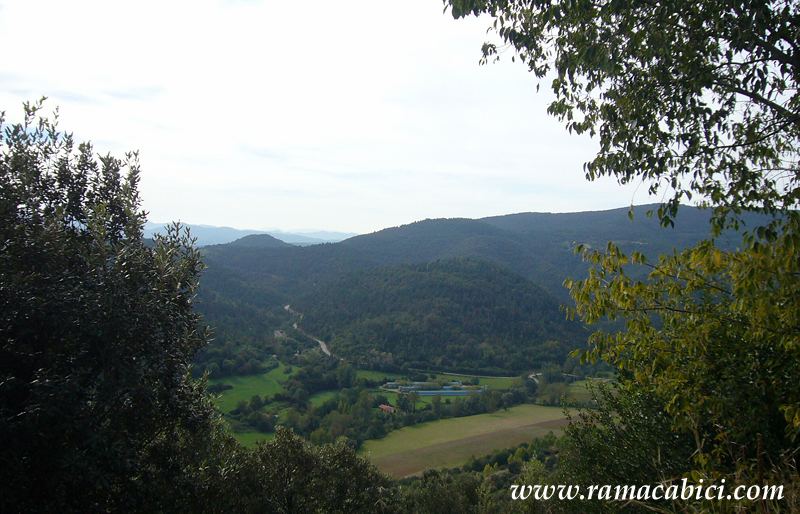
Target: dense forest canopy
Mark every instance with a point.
(245, 287)
(457, 314)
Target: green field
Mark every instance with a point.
(319, 398)
(267, 384)
(579, 391)
(450, 442)
(245, 387)
(493, 383)
(251, 438)
(377, 375)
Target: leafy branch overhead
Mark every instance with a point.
(699, 101)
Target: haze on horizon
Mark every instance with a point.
(350, 116)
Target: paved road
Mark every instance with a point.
(322, 344)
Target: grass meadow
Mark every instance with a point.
(245, 387)
(318, 399)
(450, 442)
(251, 438)
(580, 393)
(377, 375)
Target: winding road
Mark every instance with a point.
(322, 344)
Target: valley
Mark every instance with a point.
(306, 337)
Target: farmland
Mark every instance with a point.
(244, 387)
(428, 444)
(450, 442)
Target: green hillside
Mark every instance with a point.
(259, 241)
(538, 246)
(457, 314)
(248, 282)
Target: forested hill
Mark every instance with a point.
(247, 283)
(538, 246)
(259, 241)
(458, 314)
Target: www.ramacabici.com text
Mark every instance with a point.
(676, 491)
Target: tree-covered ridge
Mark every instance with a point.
(244, 288)
(538, 246)
(459, 314)
(259, 241)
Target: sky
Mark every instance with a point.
(353, 115)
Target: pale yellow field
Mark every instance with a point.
(450, 442)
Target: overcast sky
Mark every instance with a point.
(349, 115)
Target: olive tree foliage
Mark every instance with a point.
(440, 493)
(291, 476)
(699, 101)
(97, 409)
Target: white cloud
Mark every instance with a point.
(351, 115)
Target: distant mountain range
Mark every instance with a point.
(249, 280)
(538, 246)
(211, 235)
